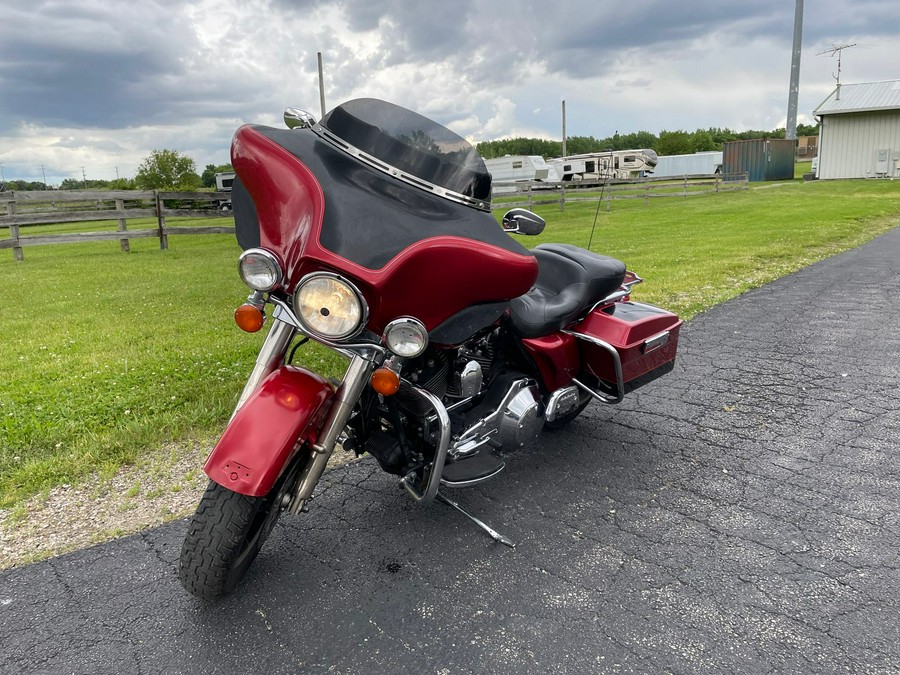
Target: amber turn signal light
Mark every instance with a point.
(385, 381)
(249, 318)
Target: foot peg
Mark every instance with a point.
(471, 470)
(493, 534)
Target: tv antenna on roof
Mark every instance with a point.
(837, 49)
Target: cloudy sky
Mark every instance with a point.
(95, 85)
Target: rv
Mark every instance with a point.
(615, 164)
(519, 169)
(224, 181)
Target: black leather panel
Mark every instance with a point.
(570, 281)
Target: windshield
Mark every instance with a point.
(413, 144)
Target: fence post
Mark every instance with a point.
(18, 255)
(717, 183)
(562, 197)
(530, 198)
(126, 247)
(646, 192)
(684, 188)
(161, 219)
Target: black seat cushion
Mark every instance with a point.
(570, 281)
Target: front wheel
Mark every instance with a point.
(225, 535)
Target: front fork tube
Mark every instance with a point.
(355, 379)
(270, 357)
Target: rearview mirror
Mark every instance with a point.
(295, 118)
(523, 221)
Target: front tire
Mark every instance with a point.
(225, 536)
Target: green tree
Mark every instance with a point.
(95, 184)
(167, 170)
(703, 141)
(674, 143)
(24, 185)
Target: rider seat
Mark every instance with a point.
(570, 281)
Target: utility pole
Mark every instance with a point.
(791, 127)
(44, 174)
(84, 178)
(564, 128)
(2, 179)
(321, 83)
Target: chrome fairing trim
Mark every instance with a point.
(394, 172)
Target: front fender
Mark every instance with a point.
(287, 407)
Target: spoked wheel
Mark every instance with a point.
(226, 534)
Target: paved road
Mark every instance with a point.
(740, 516)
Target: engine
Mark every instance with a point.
(490, 404)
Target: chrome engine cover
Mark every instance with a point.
(516, 421)
(522, 421)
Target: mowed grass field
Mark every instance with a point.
(106, 356)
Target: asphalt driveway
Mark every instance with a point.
(740, 516)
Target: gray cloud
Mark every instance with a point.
(85, 81)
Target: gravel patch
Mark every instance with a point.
(164, 487)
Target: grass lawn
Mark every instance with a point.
(106, 355)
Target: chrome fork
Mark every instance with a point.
(355, 379)
(269, 358)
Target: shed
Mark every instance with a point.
(759, 158)
(859, 131)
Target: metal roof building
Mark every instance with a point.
(859, 132)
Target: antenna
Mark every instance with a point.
(837, 49)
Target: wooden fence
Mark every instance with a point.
(64, 206)
(24, 208)
(530, 194)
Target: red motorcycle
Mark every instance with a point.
(371, 233)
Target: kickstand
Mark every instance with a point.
(496, 536)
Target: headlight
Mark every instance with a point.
(328, 306)
(406, 337)
(259, 269)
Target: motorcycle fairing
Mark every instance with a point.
(283, 412)
(370, 217)
(449, 250)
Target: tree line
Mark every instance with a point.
(160, 170)
(172, 170)
(666, 143)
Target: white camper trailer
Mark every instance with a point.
(224, 181)
(696, 164)
(518, 169)
(615, 164)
